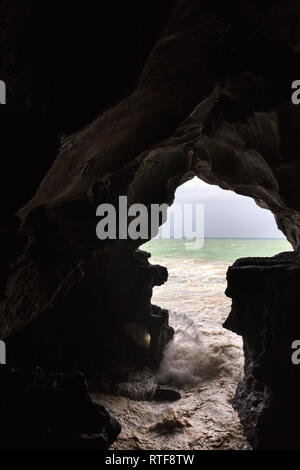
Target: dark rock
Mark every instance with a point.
(102, 300)
(265, 312)
(44, 411)
(166, 394)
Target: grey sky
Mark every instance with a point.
(228, 214)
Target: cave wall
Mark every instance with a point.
(265, 312)
(213, 100)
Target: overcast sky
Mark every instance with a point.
(227, 214)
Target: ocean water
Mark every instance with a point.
(203, 361)
(217, 249)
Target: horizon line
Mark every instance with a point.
(225, 238)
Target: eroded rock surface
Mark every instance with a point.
(265, 311)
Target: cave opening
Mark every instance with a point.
(203, 352)
(204, 362)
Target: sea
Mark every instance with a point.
(204, 361)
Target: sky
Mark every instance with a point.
(227, 214)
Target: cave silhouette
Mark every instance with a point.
(99, 106)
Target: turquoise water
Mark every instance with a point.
(217, 249)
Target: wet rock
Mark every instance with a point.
(166, 394)
(51, 411)
(265, 312)
(170, 423)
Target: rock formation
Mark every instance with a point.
(51, 411)
(265, 299)
(213, 100)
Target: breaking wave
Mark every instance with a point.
(204, 362)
